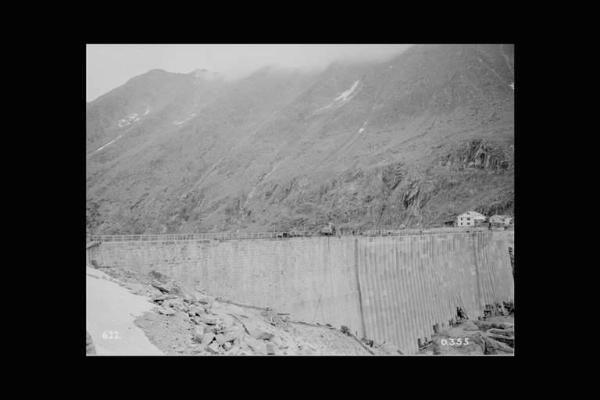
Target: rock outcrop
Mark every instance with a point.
(414, 140)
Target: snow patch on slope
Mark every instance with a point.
(107, 144)
(183, 121)
(362, 128)
(128, 120)
(344, 97)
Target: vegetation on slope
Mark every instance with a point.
(413, 141)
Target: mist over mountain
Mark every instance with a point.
(414, 140)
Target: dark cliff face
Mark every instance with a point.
(479, 154)
(415, 140)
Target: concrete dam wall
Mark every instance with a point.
(390, 289)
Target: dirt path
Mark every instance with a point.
(110, 312)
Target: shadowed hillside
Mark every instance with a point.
(414, 140)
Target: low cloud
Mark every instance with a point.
(109, 66)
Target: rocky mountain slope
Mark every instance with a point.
(414, 141)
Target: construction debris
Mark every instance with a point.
(494, 334)
(191, 322)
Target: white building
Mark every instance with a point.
(500, 219)
(470, 218)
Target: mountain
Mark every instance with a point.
(414, 140)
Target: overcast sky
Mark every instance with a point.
(109, 66)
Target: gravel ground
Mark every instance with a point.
(174, 335)
(189, 322)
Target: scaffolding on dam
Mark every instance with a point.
(163, 237)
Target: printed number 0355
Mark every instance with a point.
(455, 342)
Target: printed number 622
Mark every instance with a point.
(110, 335)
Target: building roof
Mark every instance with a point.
(472, 214)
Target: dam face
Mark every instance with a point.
(390, 288)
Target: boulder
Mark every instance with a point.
(158, 276)
(166, 311)
(181, 314)
(257, 346)
(485, 325)
(173, 303)
(224, 319)
(220, 339)
(163, 297)
(260, 334)
(214, 348)
(161, 286)
(209, 319)
(195, 310)
(493, 346)
(232, 335)
(174, 289)
(203, 299)
(234, 349)
(207, 338)
(504, 332)
(277, 340)
(270, 347)
(188, 298)
(198, 334)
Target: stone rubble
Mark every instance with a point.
(492, 335)
(201, 324)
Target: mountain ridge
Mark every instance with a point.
(410, 141)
